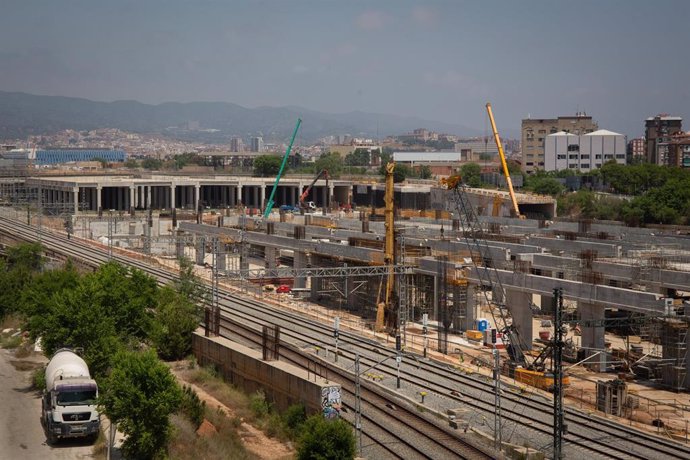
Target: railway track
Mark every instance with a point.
(589, 436)
(411, 437)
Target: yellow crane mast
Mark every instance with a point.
(497, 139)
(389, 251)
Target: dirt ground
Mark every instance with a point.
(255, 440)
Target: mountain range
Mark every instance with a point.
(23, 114)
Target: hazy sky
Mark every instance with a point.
(620, 61)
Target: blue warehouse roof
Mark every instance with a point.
(55, 156)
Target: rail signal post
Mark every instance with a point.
(336, 333)
(398, 358)
(559, 428)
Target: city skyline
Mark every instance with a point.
(435, 60)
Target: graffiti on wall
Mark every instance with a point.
(330, 402)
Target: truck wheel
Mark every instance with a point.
(52, 439)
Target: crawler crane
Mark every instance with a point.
(532, 372)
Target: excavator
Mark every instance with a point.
(524, 369)
(504, 164)
(303, 196)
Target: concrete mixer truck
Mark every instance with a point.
(69, 400)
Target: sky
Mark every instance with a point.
(619, 61)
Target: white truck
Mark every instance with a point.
(69, 400)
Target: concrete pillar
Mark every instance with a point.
(200, 251)
(221, 259)
(172, 196)
(197, 196)
(546, 304)
(471, 308)
(299, 262)
(593, 339)
(270, 256)
(132, 198)
(262, 194)
(99, 197)
(75, 197)
(239, 194)
(518, 304)
(331, 192)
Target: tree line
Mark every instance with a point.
(126, 324)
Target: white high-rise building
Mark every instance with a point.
(585, 152)
(257, 144)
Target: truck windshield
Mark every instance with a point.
(76, 397)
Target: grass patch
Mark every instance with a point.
(100, 447)
(9, 342)
(208, 379)
(254, 409)
(226, 444)
(38, 379)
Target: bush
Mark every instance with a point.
(326, 439)
(38, 379)
(294, 418)
(258, 404)
(192, 407)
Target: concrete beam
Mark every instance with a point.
(602, 296)
(576, 246)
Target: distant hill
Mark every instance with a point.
(23, 114)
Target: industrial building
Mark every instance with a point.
(584, 152)
(57, 156)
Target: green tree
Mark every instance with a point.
(360, 157)
(189, 284)
(471, 174)
(26, 256)
(104, 163)
(546, 186)
(131, 163)
(332, 162)
(174, 321)
(152, 163)
(101, 312)
(326, 439)
(267, 165)
(424, 172)
(139, 395)
(36, 297)
(17, 270)
(401, 172)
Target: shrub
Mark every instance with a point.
(258, 404)
(321, 438)
(192, 407)
(294, 418)
(38, 379)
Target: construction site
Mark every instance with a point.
(593, 312)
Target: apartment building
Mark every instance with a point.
(535, 130)
(658, 132)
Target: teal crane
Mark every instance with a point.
(269, 203)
